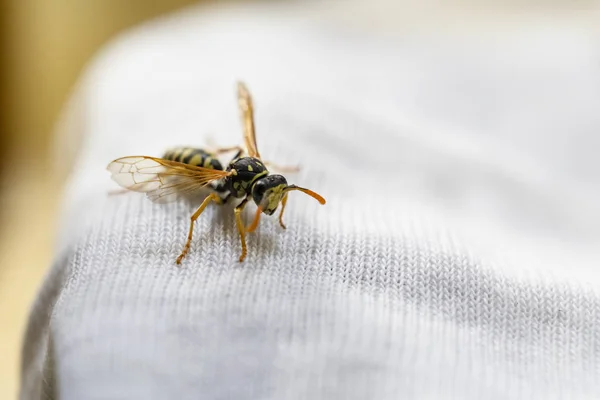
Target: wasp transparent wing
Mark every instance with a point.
(162, 180)
(247, 113)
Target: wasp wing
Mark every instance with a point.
(162, 180)
(247, 113)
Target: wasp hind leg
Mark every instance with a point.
(194, 217)
(240, 227)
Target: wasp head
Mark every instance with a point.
(271, 190)
(268, 192)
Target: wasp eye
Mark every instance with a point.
(258, 191)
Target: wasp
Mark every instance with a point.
(185, 171)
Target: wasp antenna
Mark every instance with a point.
(312, 194)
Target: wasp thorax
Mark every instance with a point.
(267, 192)
(246, 171)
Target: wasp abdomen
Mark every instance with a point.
(193, 156)
(247, 170)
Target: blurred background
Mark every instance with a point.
(45, 44)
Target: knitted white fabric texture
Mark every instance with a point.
(456, 257)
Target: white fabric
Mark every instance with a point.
(457, 255)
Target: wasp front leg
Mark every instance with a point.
(240, 227)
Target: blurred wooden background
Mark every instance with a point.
(44, 44)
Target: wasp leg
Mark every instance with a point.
(220, 150)
(283, 168)
(186, 248)
(117, 192)
(256, 220)
(240, 227)
(238, 154)
(283, 203)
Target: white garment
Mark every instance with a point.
(456, 256)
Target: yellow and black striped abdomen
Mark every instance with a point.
(193, 156)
